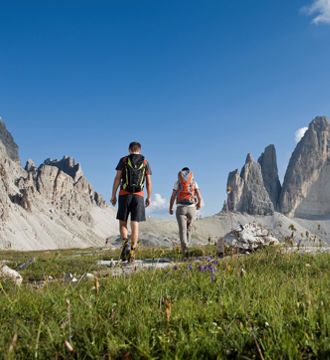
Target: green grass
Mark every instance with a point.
(56, 263)
(279, 308)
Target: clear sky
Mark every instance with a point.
(199, 83)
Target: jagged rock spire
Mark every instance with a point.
(269, 171)
(246, 190)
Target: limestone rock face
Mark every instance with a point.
(269, 171)
(63, 184)
(68, 165)
(246, 191)
(4, 200)
(30, 166)
(306, 187)
(8, 141)
(50, 206)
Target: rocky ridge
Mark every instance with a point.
(10, 147)
(306, 187)
(49, 206)
(246, 190)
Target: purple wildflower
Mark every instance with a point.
(201, 268)
(189, 267)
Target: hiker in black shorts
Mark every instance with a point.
(133, 171)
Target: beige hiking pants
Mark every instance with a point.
(185, 216)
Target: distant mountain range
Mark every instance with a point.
(53, 205)
(305, 192)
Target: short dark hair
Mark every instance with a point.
(134, 146)
(185, 169)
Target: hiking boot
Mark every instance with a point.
(131, 256)
(124, 250)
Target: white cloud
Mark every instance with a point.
(158, 204)
(320, 10)
(300, 133)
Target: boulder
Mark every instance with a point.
(7, 273)
(250, 237)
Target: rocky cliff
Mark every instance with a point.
(269, 171)
(247, 192)
(49, 206)
(306, 187)
(9, 145)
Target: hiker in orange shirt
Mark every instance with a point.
(189, 199)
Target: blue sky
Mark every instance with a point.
(199, 83)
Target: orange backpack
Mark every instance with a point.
(186, 189)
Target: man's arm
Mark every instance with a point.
(172, 200)
(116, 183)
(149, 189)
(199, 199)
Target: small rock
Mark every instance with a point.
(68, 277)
(26, 264)
(90, 276)
(8, 273)
(243, 272)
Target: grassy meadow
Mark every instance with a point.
(268, 305)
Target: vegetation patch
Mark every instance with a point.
(268, 305)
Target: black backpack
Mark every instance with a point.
(135, 173)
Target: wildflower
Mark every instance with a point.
(175, 267)
(189, 267)
(201, 268)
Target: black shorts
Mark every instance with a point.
(131, 204)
